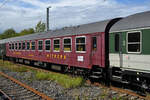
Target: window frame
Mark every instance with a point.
(45, 45)
(139, 42)
(18, 45)
(70, 43)
(27, 45)
(22, 45)
(93, 42)
(9, 46)
(15, 46)
(38, 45)
(59, 44)
(34, 45)
(12, 46)
(76, 44)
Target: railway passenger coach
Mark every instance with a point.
(116, 49)
(77, 49)
(130, 50)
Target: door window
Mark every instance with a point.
(94, 43)
(116, 42)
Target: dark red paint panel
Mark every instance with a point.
(73, 58)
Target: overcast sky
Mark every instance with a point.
(22, 14)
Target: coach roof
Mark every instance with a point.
(77, 30)
(139, 20)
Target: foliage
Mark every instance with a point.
(12, 67)
(64, 80)
(40, 27)
(11, 33)
(26, 31)
(8, 33)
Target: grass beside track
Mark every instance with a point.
(64, 80)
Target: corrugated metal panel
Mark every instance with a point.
(139, 20)
(81, 29)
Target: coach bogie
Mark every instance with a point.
(21, 60)
(56, 67)
(27, 62)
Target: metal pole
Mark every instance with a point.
(48, 18)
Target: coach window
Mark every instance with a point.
(67, 44)
(16, 46)
(57, 45)
(33, 45)
(134, 42)
(20, 46)
(117, 42)
(40, 45)
(13, 45)
(80, 44)
(9, 46)
(23, 46)
(47, 45)
(94, 43)
(28, 45)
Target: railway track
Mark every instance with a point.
(125, 93)
(119, 90)
(16, 90)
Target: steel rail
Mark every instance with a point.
(120, 90)
(26, 86)
(4, 94)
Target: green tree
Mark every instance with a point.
(12, 33)
(30, 30)
(40, 27)
(8, 33)
(26, 31)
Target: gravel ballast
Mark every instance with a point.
(56, 91)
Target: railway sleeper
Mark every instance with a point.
(35, 97)
(26, 95)
(19, 90)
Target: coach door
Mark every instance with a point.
(118, 49)
(95, 53)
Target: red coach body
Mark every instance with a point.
(73, 58)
